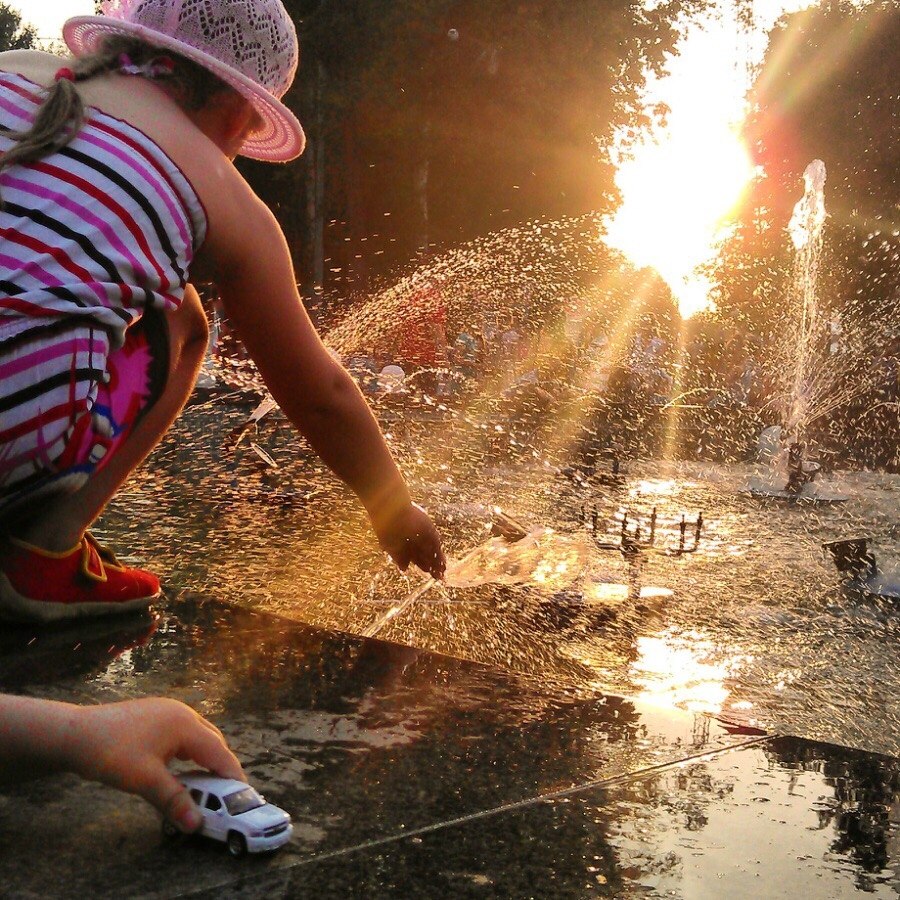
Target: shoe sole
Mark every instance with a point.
(14, 607)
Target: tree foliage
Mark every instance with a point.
(14, 34)
(828, 89)
(507, 107)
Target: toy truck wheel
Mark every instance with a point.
(237, 845)
(169, 829)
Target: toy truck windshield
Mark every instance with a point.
(243, 801)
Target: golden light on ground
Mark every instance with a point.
(683, 669)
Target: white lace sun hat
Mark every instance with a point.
(250, 44)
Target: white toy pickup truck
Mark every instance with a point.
(235, 813)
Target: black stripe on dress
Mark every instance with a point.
(70, 376)
(145, 205)
(88, 247)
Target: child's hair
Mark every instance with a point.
(61, 115)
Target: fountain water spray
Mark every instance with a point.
(806, 229)
(829, 351)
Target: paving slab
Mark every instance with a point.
(783, 818)
(361, 740)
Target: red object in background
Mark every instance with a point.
(423, 329)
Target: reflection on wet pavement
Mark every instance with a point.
(359, 739)
(785, 819)
(409, 773)
(412, 768)
(759, 602)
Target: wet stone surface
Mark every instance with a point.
(787, 818)
(413, 774)
(754, 625)
(358, 739)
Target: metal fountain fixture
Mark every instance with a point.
(631, 537)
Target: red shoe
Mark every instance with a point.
(40, 586)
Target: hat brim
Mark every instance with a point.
(280, 139)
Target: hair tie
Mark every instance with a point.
(64, 74)
(158, 67)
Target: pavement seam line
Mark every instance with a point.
(638, 775)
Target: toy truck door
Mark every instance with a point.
(215, 819)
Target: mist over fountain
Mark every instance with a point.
(826, 354)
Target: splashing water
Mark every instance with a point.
(824, 359)
(542, 558)
(752, 619)
(808, 220)
(806, 229)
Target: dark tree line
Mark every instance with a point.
(14, 33)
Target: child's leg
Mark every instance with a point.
(61, 523)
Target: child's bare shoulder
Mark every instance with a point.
(240, 224)
(37, 65)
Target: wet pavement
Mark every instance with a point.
(522, 739)
(754, 625)
(409, 773)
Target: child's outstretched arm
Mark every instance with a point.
(256, 281)
(126, 745)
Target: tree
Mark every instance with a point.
(14, 35)
(438, 121)
(827, 90)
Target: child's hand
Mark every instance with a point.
(129, 745)
(409, 536)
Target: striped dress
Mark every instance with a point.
(90, 237)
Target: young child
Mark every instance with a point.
(117, 186)
(125, 745)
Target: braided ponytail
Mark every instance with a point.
(61, 115)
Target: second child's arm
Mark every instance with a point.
(126, 745)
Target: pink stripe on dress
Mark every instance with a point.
(14, 264)
(115, 208)
(165, 196)
(17, 111)
(82, 212)
(46, 354)
(180, 187)
(63, 260)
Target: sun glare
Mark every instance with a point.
(673, 668)
(676, 194)
(48, 15)
(677, 188)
